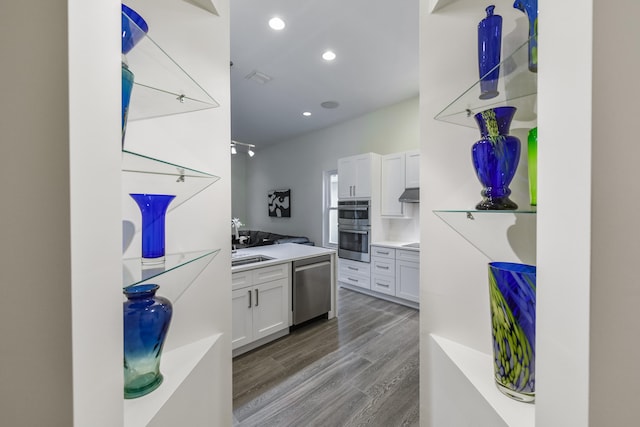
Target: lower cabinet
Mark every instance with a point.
(394, 272)
(260, 304)
(354, 273)
(408, 275)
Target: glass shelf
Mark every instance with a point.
(185, 267)
(517, 86)
(143, 174)
(161, 86)
(506, 235)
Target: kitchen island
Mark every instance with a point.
(262, 280)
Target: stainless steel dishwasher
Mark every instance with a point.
(311, 288)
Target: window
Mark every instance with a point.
(330, 210)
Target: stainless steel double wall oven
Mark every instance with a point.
(354, 229)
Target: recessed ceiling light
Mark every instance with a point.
(330, 104)
(329, 55)
(306, 113)
(276, 23)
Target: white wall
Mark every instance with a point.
(299, 163)
(239, 185)
(60, 305)
(454, 288)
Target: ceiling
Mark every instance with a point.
(376, 43)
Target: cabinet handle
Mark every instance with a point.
(382, 284)
(352, 268)
(383, 267)
(257, 300)
(249, 298)
(352, 279)
(383, 253)
(354, 190)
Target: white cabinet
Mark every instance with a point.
(408, 275)
(398, 172)
(354, 273)
(412, 169)
(356, 175)
(260, 303)
(392, 184)
(383, 270)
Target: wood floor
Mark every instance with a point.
(360, 369)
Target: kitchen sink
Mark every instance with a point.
(250, 259)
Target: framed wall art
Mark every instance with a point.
(279, 203)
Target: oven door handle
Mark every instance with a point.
(353, 208)
(353, 231)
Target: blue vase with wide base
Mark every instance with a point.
(146, 321)
(495, 158)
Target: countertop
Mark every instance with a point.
(285, 252)
(395, 245)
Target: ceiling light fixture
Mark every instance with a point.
(329, 55)
(306, 113)
(276, 23)
(250, 147)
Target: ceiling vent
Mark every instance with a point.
(330, 104)
(258, 77)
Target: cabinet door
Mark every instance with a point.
(242, 317)
(412, 175)
(408, 280)
(392, 185)
(362, 186)
(270, 308)
(346, 177)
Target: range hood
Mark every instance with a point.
(410, 195)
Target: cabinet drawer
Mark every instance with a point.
(241, 280)
(268, 274)
(382, 252)
(404, 255)
(355, 280)
(383, 266)
(351, 268)
(383, 284)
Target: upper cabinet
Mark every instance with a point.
(356, 175)
(412, 169)
(399, 171)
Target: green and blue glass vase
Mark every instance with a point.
(512, 295)
(532, 155)
(530, 8)
(495, 158)
(134, 28)
(147, 317)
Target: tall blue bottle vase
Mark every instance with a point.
(153, 208)
(134, 28)
(147, 317)
(495, 158)
(530, 8)
(489, 47)
(512, 296)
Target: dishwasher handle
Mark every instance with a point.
(308, 266)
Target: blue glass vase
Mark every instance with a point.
(489, 46)
(134, 28)
(530, 8)
(154, 209)
(146, 321)
(512, 295)
(127, 87)
(495, 157)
